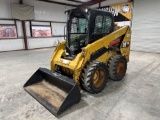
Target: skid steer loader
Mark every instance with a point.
(95, 50)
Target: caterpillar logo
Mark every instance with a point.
(125, 8)
(125, 44)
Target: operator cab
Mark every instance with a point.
(86, 26)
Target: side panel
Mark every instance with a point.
(57, 54)
(126, 43)
(96, 51)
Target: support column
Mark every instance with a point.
(24, 31)
(99, 4)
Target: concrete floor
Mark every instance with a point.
(136, 97)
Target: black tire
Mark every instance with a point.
(94, 77)
(115, 72)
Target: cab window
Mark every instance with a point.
(103, 24)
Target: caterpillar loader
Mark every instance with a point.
(95, 50)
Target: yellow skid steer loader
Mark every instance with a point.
(95, 50)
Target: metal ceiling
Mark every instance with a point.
(84, 3)
(74, 3)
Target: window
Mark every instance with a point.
(103, 24)
(41, 29)
(74, 25)
(107, 24)
(8, 29)
(98, 24)
(78, 25)
(78, 32)
(82, 25)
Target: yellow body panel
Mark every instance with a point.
(76, 66)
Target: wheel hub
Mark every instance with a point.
(99, 77)
(120, 69)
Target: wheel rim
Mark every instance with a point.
(120, 69)
(99, 78)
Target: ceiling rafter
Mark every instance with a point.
(76, 1)
(89, 3)
(82, 5)
(60, 3)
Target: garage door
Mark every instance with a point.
(146, 26)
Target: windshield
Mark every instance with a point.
(77, 32)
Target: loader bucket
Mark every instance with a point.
(53, 90)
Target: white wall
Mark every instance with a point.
(10, 44)
(48, 11)
(146, 26)
(5, 11)
(57, 30)
(52, 12)
(43, 42)
(43, 11)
